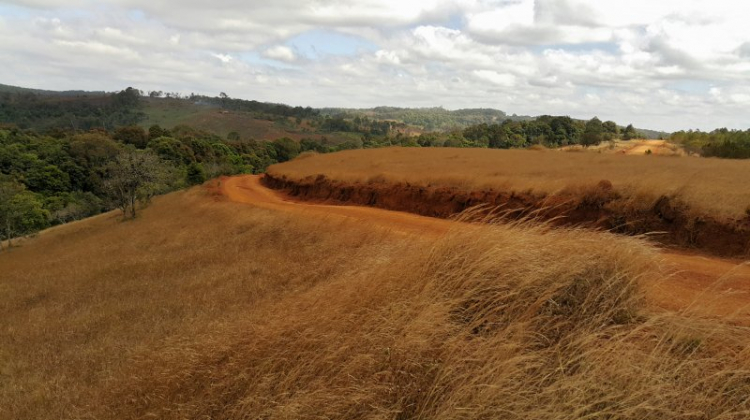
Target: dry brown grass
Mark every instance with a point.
(203, 309)
(713, 186)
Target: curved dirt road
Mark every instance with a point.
(706, 286)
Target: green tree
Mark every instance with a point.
(196, 174)
(611, 131)
(286, 149)
(155, 131)
(592, 135)
(21, 211)
(132, 134)
(629, 133)
(47, 179)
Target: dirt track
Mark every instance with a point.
(704, 285)
(657, 147)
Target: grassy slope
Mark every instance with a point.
(715, 186)
(208, 309)
(171, 112)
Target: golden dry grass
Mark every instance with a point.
(203, 309)
(710, 186)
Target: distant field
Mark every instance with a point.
(713, 186)
(172, 112)
(633, 147)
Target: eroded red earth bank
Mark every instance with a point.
(599, 206)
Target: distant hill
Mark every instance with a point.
(69, 110)
(17, 89)
(428, 119)
(80, 109)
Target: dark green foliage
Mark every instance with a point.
(48, 179)
(133, 134)
(546, 130)
(723, 143)
(196, 174)
(155, 132)
(173, 150)
(258, 108)
(593, 134)
(610, 130)
(21, 211)
(629, 133)
(286, 149)
(50, 111)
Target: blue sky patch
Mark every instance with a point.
(10, 11)
(318, 43)
(691, 86)
(257, 59)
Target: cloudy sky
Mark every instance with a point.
(662, 64)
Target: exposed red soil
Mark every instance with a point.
(600, 206)
(703, 285)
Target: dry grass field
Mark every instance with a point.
(207, 309)
(710, 186)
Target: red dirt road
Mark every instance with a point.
(705, 286)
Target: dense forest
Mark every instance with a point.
(47, 179)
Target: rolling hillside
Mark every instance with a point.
(169, 112)
(205, 308)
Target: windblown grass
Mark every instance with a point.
(205, 309)
(710, 186)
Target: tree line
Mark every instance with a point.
(723, 143)
(54, 178)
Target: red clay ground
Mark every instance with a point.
(704, 285)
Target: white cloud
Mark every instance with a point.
(657, 64)
(224, 58)
(281, 53)
(505, 80)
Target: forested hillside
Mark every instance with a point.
(70, 110)
(47, 179)
(428, 119)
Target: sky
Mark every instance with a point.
(659, 64)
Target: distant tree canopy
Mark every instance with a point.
(84, 112)
(225, 102)
(431, 119)
(723, 143)
(47, 180)
(21, 211)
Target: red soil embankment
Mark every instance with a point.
(598, 206)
